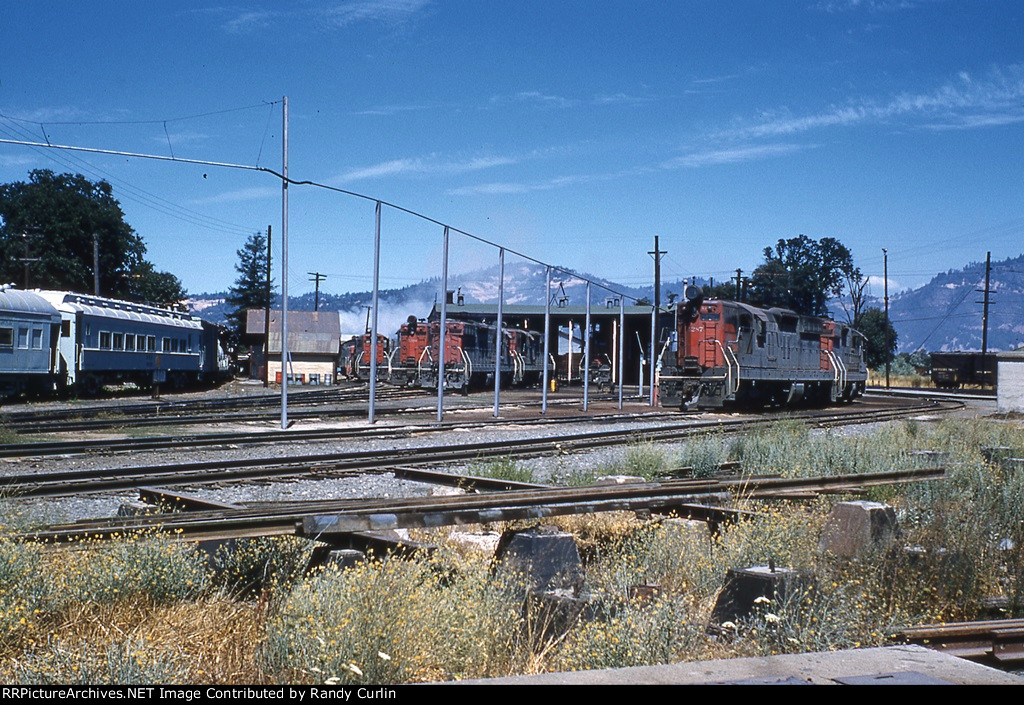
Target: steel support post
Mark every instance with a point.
(373, 324)
(586, 356)
(498, 333)
(622, 342)
(442, 329)
(284, 265)
(653, 354)
(547, 343)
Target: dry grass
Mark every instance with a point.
(210, 640)
(147, 610)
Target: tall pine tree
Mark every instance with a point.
(250, 288)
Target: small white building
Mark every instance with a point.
(1010, 374)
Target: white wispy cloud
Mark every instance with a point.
(421, 166)
(538, 98)
(514, 187)
(16, 160)
(730, 155)
(836, 6)
(381, 11)
(241, 20)
(181, 138)
(964, 102)
(620, 99)
(246, 194)
(387, 110)
(246, 21)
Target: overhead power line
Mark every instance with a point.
(130, 192)
(308, 182)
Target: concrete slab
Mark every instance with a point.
(823, 668)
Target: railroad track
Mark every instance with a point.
(1000, 640)
(75, 482)
(190, 411)
(325, 519)
(197, 440)
(240, 438)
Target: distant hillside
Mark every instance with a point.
(945, 313)
(941, 315)
(524, 284)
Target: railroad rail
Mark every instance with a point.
(74, 482)
(79, 446)
(191, 412)
(323, 519)
(1000, 640)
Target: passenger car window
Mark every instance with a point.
(6, 337)
(37, 338)
(23, 337)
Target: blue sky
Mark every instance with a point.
(572, 131)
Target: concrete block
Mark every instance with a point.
(743, 586)
(481, 542)
(552, 613)
(855, 528)
(343, 558)
(444, 491)
(619, 480)
(131, 508)
(546, 556)
(927, 458)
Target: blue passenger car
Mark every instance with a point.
(106, 341)
(29, 326)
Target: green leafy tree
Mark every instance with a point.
(250, 288)
(873, 326)
(52, 218)
(146, 285)
(802, 274)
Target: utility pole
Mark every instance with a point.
(885, 277)
(96, 264)
(266, 322)
(657, 253)
(317, 276)
(984, 319)
(739, 282)
(26, 259)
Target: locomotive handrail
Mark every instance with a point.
(844, 371)
(518, 366)
(736, 361)
(728, 364)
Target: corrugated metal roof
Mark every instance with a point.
(124, 310)
(27, 301)
(1017, 354)
(315, 332)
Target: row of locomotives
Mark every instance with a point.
(731, 353)
(357, 353)
(570, 363)
(469, 355)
